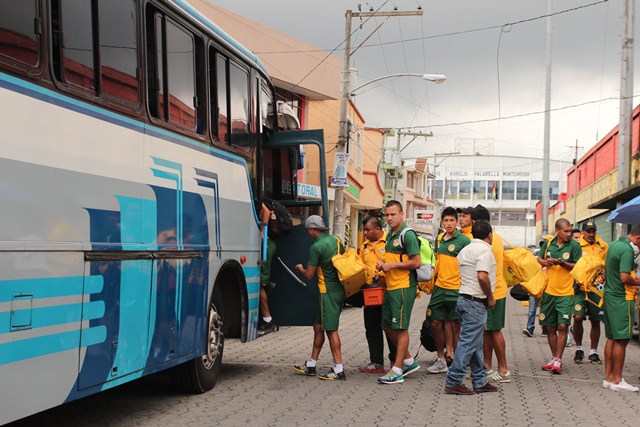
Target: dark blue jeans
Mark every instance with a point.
(473, 316)
(531, 319)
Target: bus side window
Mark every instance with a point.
(76, 43)
(119, 50)
(173, 85)
(239, 104)
(219, 95)
(19, 32)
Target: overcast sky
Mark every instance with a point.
(490, 73)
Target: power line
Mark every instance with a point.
(514, 116)
(454, 33)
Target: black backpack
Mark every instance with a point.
(519, 293)
(426, 335)
(283, 223)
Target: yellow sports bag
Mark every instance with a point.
(520, 266)
(351, 271)
(536, 285)
(589, 273)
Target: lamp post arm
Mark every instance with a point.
(436, 78)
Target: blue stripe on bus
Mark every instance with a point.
(138, 224)
(55, 315)
(46, 95)
(51, 287)
(35, 347)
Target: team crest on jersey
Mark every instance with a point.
(542, 316)
(578, 307)
(396, 243)
(451, 247)
(381, 251)
(565, 256)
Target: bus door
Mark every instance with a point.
(294, 174)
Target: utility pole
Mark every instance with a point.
(343, 131)
(547, 129)
(626, 106)
(575, 185)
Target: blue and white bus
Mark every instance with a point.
(136, 142)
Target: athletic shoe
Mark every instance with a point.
(267, 327)
(606, 384)
(527, 332)
(458, 389)
(487, 388)
(410, 369)
(305, 370)
(548, 366)
(372, 368)
(497, 377)
(594, 358)
(568, 343)
(579, 357)
(622, 386)
(543, 333)
(438, 367)
(391, 378)
(332, 375)
(556, 368)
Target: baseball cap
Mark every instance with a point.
(480, 212)
(588, 225)
(466, 210)
(315, 222)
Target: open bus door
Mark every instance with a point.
(291, 303)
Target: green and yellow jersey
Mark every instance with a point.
(394, 252)
(619, 260)
(560, 281)
(322, 250)
(497, 248)
(447, 261)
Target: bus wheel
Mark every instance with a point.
(200, 375)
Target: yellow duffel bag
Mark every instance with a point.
(351, 271)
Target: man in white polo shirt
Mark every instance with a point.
(478, 272)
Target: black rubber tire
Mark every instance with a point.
(199, 375)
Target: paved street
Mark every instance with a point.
(258, 387)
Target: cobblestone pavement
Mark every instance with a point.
(258, 387)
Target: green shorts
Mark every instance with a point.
(619, 317)
(495, 315)
(582, 307)
(265, 266)
(442, 305)
(330, 308)
(396, 308)
(555, 310)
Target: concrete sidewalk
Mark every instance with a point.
(258, 387)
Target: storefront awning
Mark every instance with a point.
(611, 202)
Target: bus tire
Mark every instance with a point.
(199, 375)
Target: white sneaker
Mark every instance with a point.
(438, 367)
(606, 384)
(623, 386)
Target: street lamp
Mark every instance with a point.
(343, 132)
(435, 78)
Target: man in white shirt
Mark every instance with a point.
(478, 272)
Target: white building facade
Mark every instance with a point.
(508, 186)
